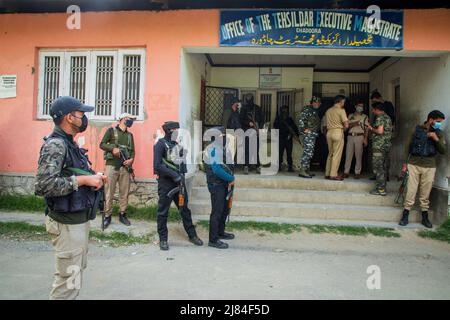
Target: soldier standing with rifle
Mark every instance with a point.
(251, 119)
(170, 166)
(71, 190)
(118, 147)
(220, 179)
(288, 132)
(309, 125)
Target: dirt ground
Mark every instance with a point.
(258, 265)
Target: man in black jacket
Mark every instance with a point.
(251, 119)
(169, 165)
(288, 129)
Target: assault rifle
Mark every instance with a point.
(124, 156)
(229, 198)
(180, 189)
(404, 175)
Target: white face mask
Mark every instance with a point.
(359, 109)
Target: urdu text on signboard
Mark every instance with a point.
(337, 29)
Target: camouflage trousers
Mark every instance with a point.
(309, 141)
(379, 165)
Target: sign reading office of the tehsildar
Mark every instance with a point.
(312, 28)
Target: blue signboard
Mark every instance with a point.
(312, 28)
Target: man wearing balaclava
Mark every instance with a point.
(251, 119)
(356, 139)
(169, 164)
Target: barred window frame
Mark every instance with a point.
(55, 80)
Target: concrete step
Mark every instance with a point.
(302, 196)
(355, 223)
(325, 211)
(292, 181)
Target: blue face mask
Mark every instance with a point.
(129, 123)
(437, 125)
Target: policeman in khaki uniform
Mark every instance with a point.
(68, 184)
(356, 139)
(309, 126)
(381, 146)
(337, 122)
(116, 140)
(425, 143)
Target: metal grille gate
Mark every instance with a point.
(216, 100)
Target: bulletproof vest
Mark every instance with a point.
(421, 145)
(174, 155)
(108, 155)
(83, 198)
(313, 120)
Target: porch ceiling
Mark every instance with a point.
(324, 63)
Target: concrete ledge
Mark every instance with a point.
(439, 205)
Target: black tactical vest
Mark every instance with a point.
(82, 199)
(421, 145)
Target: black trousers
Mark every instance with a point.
(219, 211)
(253, 158)
(285, 144)
(164, 186)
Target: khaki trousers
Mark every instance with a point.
(355, 146)
(419, 178)
(335, 141)
(113, 176)
(71, 247)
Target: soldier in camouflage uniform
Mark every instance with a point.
(381, 145)
(309, 126)
(68, 184)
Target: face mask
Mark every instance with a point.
(129, 123)
(316, 106)
(437, 125)
(84, 123)
(359, 109)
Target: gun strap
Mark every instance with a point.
(170, 165)
(79, 171)
(116, 137)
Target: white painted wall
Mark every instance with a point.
(341, 76)
(424, 86)
(193, 68)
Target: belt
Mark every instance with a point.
(354, 134)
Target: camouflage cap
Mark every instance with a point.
(315, 99)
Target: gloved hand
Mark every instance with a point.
(177, 179)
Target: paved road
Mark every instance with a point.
(257, 266)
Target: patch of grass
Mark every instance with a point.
(23, 231)
(442, 233)
(287, 228)
(29, 203)
(26, 231)
(148, 213)
(118, 239)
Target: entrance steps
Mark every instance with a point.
(288, 197)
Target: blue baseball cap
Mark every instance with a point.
(65, 105)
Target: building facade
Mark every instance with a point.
(158, 65)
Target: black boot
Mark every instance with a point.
(425, 220)
(226, 236)
(404, 220)
(107, 222)
(163, 245)
(196, 240)
(218, 244)
(123, 218)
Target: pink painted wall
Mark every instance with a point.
(163, 34)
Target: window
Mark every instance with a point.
(110, 80)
